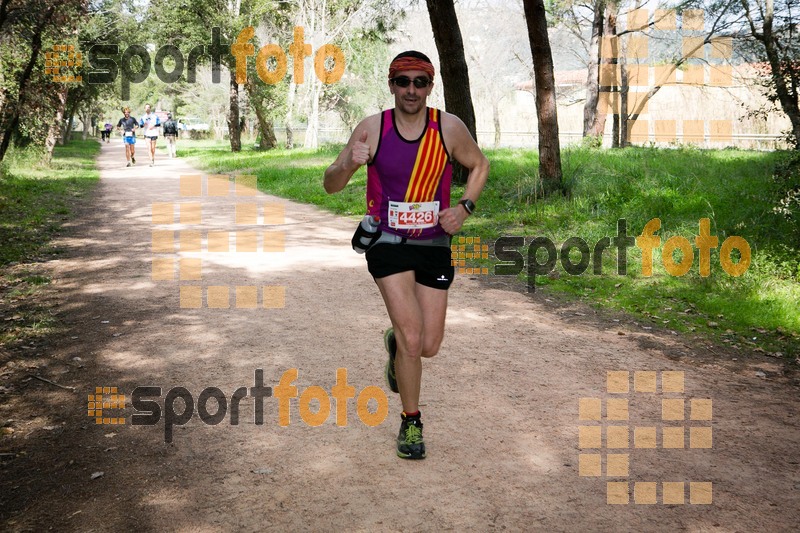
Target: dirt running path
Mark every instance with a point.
(500, 402)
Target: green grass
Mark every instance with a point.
(733, 189)
(35, 200)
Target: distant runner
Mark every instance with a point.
(127, 125)
(150, 122)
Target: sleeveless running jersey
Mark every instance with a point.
(411, 172)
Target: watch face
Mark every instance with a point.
(469, 205)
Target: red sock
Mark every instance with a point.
(415, 414)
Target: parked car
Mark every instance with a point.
(196, 124)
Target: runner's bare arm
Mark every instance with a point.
(358, 152)
(462, 148)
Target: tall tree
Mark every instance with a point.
(544, 80)
(453, 67)
(780, 46)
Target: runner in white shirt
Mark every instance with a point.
(150, 122)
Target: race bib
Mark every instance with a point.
(128, 134)
(417, 215)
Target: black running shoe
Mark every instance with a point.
(409, 442)
(133, 160)
(390, 343)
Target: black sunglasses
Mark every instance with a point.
(405, 81)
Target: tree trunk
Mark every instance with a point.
(312, 128)
(454, 72)
(787, 97)
(266, 128)
(549, 146)
(36, 48)
(496, 117)
(54, 131)
(623, 102)
(610, 31)
(234, 126)
(290, 115)
(590, 113)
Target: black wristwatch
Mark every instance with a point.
(468, 204)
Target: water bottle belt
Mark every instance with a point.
(391, 238)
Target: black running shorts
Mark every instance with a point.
(431, 264)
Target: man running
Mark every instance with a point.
(408, 151)
(127, 124)
(150, 122)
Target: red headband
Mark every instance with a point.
(410, 63)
